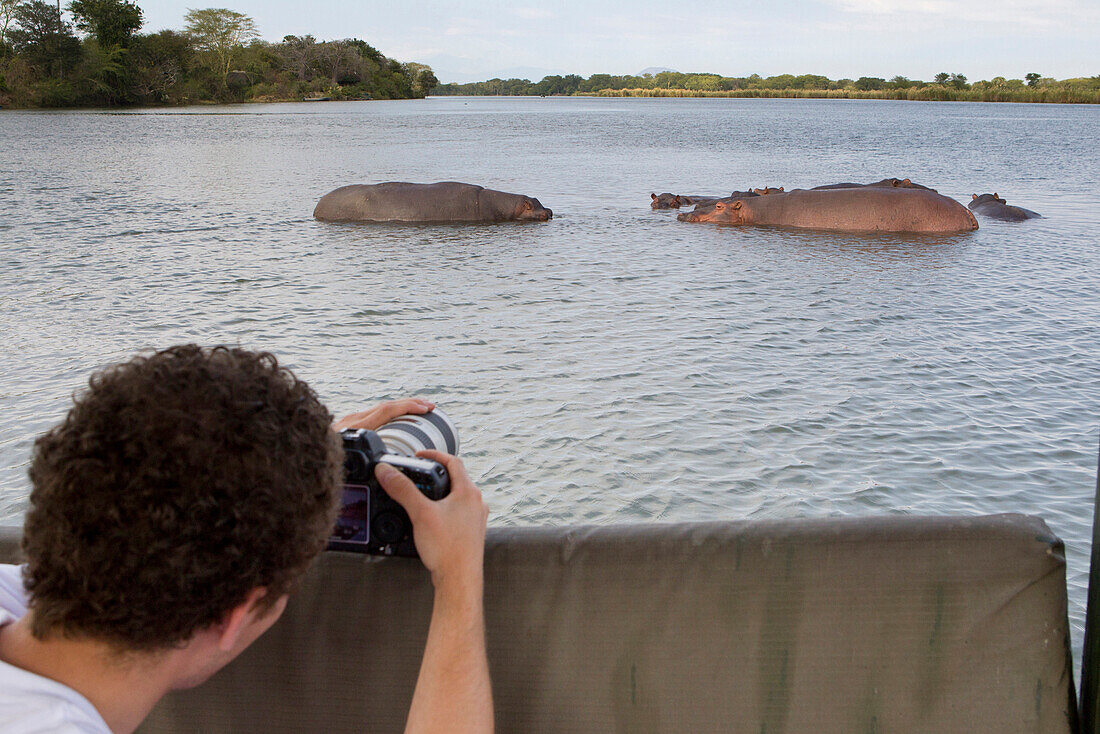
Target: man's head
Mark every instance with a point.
(178, 485)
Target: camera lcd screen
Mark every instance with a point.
(353, 524)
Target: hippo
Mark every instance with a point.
(675, 201)
(447, 201)
(767, 191)
(865, 208)
(898, 183)
(994, 207)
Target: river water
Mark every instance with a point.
(613, 365)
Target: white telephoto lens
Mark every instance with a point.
(408, 434)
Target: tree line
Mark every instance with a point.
(1033, 87)
(218, 56)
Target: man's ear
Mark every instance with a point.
(237, 619)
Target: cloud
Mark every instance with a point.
(531, 13)
(1019, 15)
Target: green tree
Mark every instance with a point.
(958, 81)
(158, 62)
(299, 53)
(336, 59)
(7, 15)
(104, 75)
(423, 79)
(111, 22)
(870, 82)
(43, 39)
(220, 32)
(942, 77)
(811, 81)
(1033, 79)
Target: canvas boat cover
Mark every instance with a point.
(886, 624)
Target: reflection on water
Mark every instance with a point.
(612, 365)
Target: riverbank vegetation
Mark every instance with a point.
(217, 57)
(944, 87)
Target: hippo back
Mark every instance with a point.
(875, 208)
(994, 207)
(861, 209)
(398, 201)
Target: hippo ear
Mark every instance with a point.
(905, 182)
(780, 188)
(652, 196)
(996, 195)
(737, 204)
(973, 196)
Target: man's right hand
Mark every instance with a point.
(449, 533)
(453, 692)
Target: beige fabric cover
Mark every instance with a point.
(890, 624)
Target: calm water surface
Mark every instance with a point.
(613, 365)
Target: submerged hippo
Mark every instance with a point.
(448, 201)
(675, 201)
(896, 183)
(767, 191)
(994, 207)
(866, 208)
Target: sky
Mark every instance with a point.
(470, 41)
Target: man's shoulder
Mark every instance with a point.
(30, 704)
(13, 598)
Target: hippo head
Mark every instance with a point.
(530, 209)
(722, 211)
(767, 190)
(984, 198)
(664, 201)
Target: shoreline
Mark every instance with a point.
(913, 94)
(831, 94)
(924, 94)
(197, 103)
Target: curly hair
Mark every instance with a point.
(177, 483)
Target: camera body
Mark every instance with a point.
(370, 521)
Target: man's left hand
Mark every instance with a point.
(383, 413)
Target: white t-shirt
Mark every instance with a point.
(29, 703)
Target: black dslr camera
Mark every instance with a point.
(370, 521)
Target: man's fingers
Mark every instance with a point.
(401, 489)
(394, 408)
(379, 415)
(454, 465)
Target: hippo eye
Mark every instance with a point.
(719, 205)
(526, 205)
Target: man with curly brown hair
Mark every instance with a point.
(172, 513)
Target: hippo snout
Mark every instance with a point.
(545, 215)
(684, 217)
